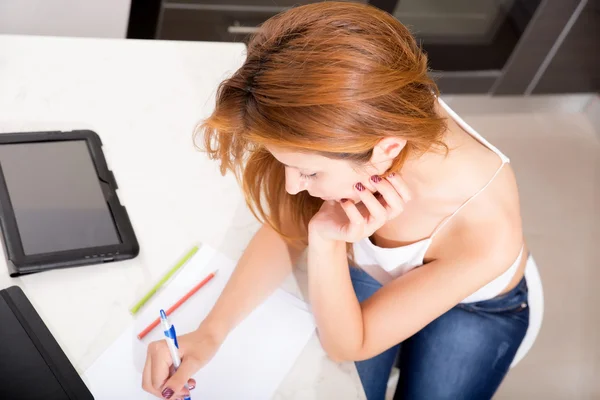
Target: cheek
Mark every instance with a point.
(337, 188)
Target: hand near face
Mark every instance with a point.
(349, 222)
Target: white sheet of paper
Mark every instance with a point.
(251, 363)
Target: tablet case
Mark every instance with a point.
(18, 262)
(63, 383)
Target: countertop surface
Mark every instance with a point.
(144, 99)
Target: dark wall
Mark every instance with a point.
(576, 65)
(573, 67)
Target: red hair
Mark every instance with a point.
(331, 78)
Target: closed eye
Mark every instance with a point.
(311, 176)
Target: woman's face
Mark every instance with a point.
(327, 178)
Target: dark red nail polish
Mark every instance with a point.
(391, 175)
(167, 393)
(376, 178)
(192, 387)
(343, 200)
(359, 186)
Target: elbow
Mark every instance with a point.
(340, 355)
(342, 350)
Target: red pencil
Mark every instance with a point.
(175, 306)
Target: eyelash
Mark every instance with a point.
(313, 176)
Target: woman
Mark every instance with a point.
(343, 148)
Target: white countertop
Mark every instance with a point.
(143, 98)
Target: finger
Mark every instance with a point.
(393, 200)
(355, 217)
(377, 211)
(183, 393)
(147, 379)
(176, 383)
(160, 367)
(191, 384)
(357, 224)
(400, 185)
(352, 212)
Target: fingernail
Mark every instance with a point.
(192, 387)
(376, 178)
(343, 200)
(391, 175)
(167, 393)
(359, 186)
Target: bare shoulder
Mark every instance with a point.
(499, 202)
(489, 228)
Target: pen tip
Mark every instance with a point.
(162, 314)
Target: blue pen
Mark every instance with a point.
(171, 338)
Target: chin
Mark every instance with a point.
(355, 201)
(328, 198)
(337, 198)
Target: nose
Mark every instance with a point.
(293, 184)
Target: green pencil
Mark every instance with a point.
(163, 280)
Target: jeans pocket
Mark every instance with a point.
(514, 301)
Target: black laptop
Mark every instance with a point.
(32, 364)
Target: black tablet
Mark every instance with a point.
(58, 203)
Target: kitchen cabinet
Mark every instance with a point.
(500, 47)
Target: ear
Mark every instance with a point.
(387, 149)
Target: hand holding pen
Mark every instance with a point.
(171, 340)
(180, 356)
(195, 349)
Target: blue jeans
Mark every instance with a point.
(463, 354)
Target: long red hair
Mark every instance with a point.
(331, 78)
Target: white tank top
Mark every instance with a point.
(386, 264)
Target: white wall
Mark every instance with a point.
(90, 18)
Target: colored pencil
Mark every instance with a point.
(163, 280)
(175, 306)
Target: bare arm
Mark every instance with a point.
(350, 331)
(266, 262)
(268, 259)
(484, 241)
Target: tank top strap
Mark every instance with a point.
(469, 129)
(463, 205)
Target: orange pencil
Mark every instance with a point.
(175, 306)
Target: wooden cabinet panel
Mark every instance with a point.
(576, 65)
(210, 24)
